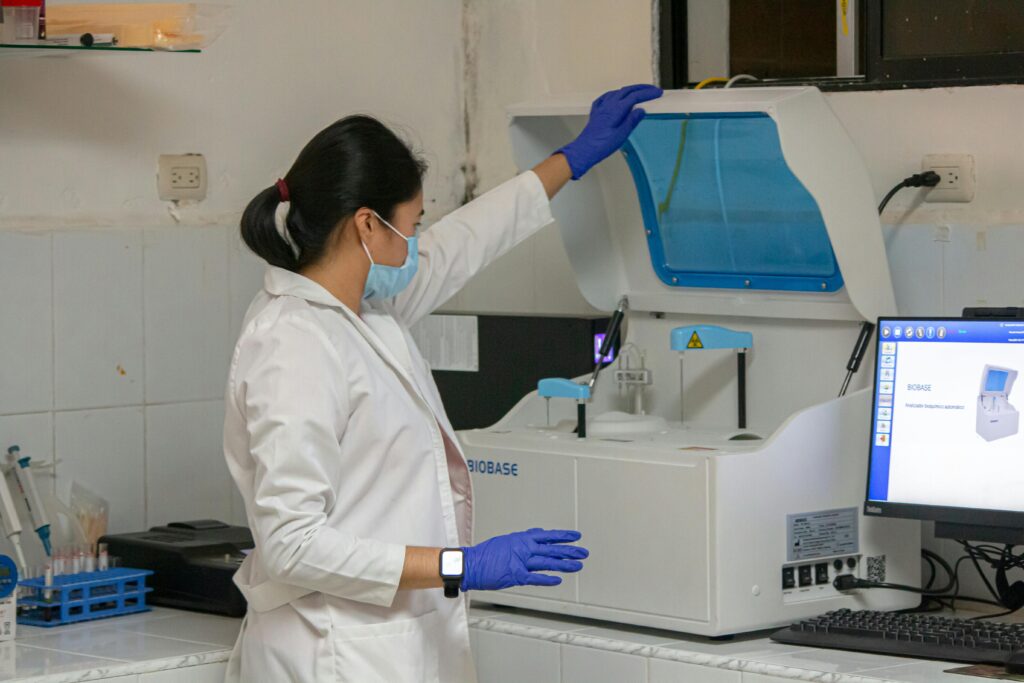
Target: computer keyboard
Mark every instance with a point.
(922, 636)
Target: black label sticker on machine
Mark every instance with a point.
(822, 534)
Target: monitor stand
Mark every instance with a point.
(980, 532)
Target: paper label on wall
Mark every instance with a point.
(822, 534)
(449, 342)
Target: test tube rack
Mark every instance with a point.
(84, 596)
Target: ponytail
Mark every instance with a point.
(259, 231)
(354, 162)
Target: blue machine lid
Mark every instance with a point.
(997, 380)
(729, 202)
(723, 209)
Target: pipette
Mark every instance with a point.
(27, 486)
(11, 523)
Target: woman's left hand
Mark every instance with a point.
(613, 116)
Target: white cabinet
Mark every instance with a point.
(510, 659)
(761, 678)
(204, 673)
(587, 665)
(665, 671)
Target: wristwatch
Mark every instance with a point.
(452, 570)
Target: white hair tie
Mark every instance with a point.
(281, 223)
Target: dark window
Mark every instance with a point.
(944, 42)
(782, 38)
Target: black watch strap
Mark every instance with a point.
(451, 587)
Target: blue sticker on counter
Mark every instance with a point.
(822, 534)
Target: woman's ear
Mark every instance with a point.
(363, 220)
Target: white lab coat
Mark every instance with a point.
(337, 439)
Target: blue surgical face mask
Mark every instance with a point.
(385, 282)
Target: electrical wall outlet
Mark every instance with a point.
(956, 173)
(182, 177)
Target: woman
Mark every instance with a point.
(335, 434)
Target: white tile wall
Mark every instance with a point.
(104, 450)
(97, 315)
(915, 261)
(115, 360)
(186, 476)
(32, 433)
(186, 314)
(245, 273)
(983, 267)
(26, 343)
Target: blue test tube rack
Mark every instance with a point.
(83, 597)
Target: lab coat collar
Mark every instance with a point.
(281, 282)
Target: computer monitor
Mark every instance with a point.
(946, 443)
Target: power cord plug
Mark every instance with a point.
(925, 179)
(848, 582)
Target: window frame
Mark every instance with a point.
(879, 73)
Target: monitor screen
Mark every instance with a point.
(945, 425)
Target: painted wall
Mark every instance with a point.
(519, 50)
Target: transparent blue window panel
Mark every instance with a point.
(723, 208)
(996, 380)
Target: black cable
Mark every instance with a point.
(926, 179)
(931, 566)
(935, 557)
(847, 582)
(993, 616)
(974, 558)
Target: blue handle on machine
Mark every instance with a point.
(698, 337)
(556, 387)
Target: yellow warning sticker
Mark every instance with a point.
(695, 342)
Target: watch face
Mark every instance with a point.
(451, 563)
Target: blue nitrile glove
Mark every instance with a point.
(612, 119)
(510, 560)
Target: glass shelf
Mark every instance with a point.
(38, 49)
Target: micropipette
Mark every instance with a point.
(9, 518)
(27, 486)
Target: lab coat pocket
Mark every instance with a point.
(392, 652)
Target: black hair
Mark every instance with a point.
(354, 162)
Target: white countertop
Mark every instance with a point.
(159, 640)
(166, 639)
(752, 653)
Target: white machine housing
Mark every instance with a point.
(691, 528)
(997, 417)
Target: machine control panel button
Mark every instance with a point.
(804, 573)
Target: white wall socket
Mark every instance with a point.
(957, 177)
(182, 177)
